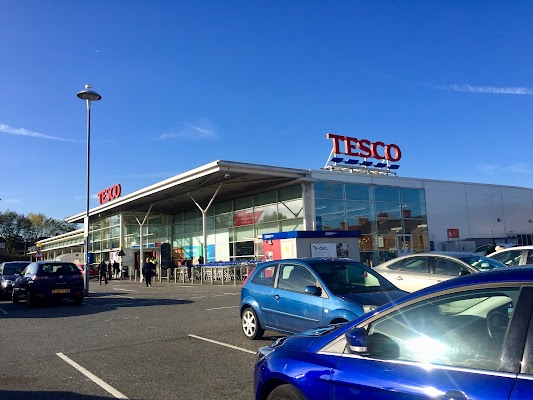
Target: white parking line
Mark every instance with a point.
(93, 377)
(223, 344)
(125, 290)
(220, 308)
(3, 311)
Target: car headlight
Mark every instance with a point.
(265, 351)
(369, 308)
(9, 282)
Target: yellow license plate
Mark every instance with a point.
(60, 290)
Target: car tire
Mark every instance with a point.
(14, 298)
(31, 301)
(78, 300)
(285, 392)
(250, 324)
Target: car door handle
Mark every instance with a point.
(276, 296)
(454, 395)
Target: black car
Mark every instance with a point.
(49, 280)
(9, 271)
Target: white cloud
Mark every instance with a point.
(26, 132)
(488, 89)
(514, 168)
(192, 132)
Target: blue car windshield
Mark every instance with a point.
(351, 277)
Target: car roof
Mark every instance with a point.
(526, 247)
(15, 262)
(499, 275)
(456, 254)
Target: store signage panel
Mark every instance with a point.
(453, 233)
(364, 148)
(109, 194)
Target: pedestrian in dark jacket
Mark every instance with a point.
(116, 270)
(148, 271)
(102, 272)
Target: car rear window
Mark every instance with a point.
(58, 269)
(14, 268)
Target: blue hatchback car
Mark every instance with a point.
(470, 337)
(294, 295)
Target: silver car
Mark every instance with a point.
(416, 271)
(514, 256)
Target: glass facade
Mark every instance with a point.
(234, 228)
(392, 220)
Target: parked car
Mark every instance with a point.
(514, 256)
(491, 248)
(49, 280)
(297, 294)
(465, 338)
(93, 270)
(9, 270)
(416, 271)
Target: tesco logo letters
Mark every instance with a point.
(109, 194)
(364, 148)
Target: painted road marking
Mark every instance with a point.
(108, 388)
(220, 308)
(3, 311)
(223, 344)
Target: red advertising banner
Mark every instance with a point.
(246, 217)
(453, 233)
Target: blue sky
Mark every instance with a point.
(185, 83)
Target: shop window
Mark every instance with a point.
(324, 206)
(290, 225)
(413, 196)
(265, 198)
(387, 193)
(331, 222)
(243, 203)
(222, 208)
(290, 209)
(244, 249)
(357, 192)
(290, 193)
(224, 220)
(329, 190)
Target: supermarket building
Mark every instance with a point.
(221, 211)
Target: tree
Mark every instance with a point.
(19, 230)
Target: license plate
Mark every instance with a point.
(60, 291)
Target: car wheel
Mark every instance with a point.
(250, 324)
(14, 298)
(31, 301)
(285, 392)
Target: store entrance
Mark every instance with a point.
(404, 244)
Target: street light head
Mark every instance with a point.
(89, 94)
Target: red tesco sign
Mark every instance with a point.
(364, 148)
(109, 194)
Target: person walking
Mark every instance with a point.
(102, 272)
(147, 271)
(116, 270)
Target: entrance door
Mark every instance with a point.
(404, 244)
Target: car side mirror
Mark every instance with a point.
(357, 339)
(376, 345)
(464, 272)
(313, 290)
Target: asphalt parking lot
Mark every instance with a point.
(127, 341)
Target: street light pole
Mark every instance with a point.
(88, 96)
